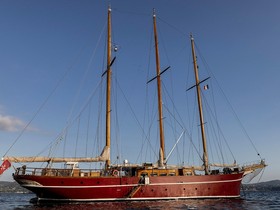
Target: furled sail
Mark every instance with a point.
(105, 155)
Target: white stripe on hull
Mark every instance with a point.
(132, 185)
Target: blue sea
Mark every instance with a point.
(249, 200)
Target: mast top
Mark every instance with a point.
(154, 12)
(109, 8)
(191, 36)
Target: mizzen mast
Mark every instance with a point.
(160, 115)
(199, 101)
(108, 92)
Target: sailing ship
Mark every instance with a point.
(127, 182)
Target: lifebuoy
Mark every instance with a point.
(115, 173)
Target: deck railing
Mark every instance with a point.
(58, 172)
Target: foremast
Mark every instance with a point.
(108, 91)
(160, 115)
(105, 154)
(199, 102)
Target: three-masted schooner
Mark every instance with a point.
(132, 182)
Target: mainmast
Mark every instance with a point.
(160, 118)
(108, 92)
(199, 101)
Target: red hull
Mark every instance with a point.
(128, 188)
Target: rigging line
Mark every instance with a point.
(86, 72)
(261, 175)
(133, 113)
(175, 145)
(191, 125)
(172, 122)
(186, 131)
(190, 138)
(77, 137)
(45, 101)
(88, 123)
(85, 105)
(187, 98)
(217, 124)
(163, 45)
(65, 141)
(217, 144)
(102, 91)
(146, 107)
(50, 146)
(172, 26)
(180, 123)
(168, 60)
(129, 12)
(231, 107)
(215, 116)
(173, 114)
(40, 108)
(146, 137)
(59, 138)
(153, 118)
(115, 101)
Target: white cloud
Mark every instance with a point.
(11, 124)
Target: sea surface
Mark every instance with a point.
(248, 200)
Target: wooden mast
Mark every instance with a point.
(160, 118)
(205, 154)
(108, 92)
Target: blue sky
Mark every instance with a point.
(40, 40)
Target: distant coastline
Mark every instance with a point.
(12, 187)
(274, 185)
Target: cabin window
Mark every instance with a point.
(154, 174)
(163, 174)
(171, 174)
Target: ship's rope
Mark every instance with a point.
(261, 174)
(229, 104)
(88, 125)
(87, 71)
(88, 101)
(59, 82)
(219, 130)
(149, 110)
(224, 95)
(116, 118)
(130, 12)
(44, 102)
(191, 113)
(136, 118)
(71, 123)
(172, 26)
